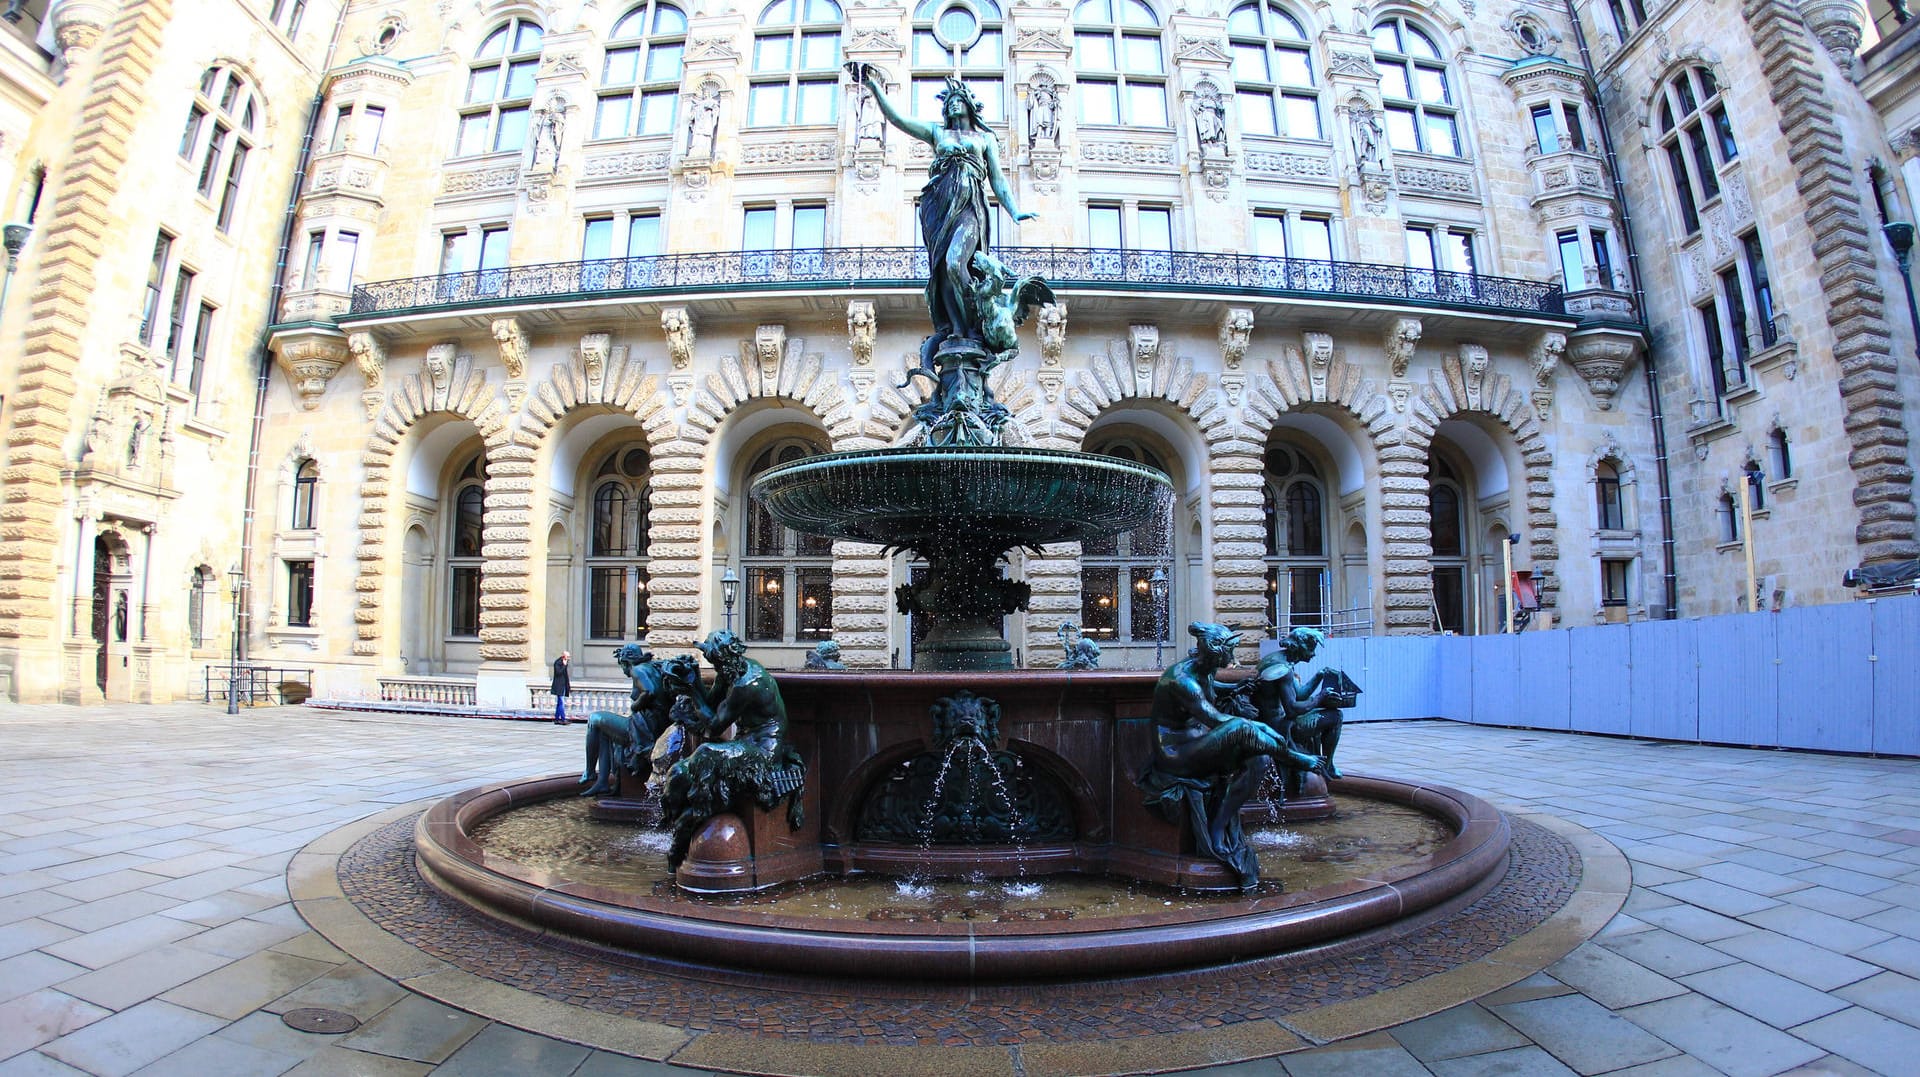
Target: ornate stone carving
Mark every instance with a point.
(1442, 181)
(594, 349)
(1600, 361)
(1144, 341)
(1543, 404)
(677, 323)
(370, 355)
(481, 180)
(1838, 25)
(1127, 153)
(1040, 39)
(712, 48)
(788, 154)
(1297, 165)
(861, 329)
(1357, 64)
(1236, 330)
(1043, 111)
(703, 121)
(77, 24)
(873, 39)
(1205, 50)
(1318, 349)
(1209, 119)
(1531, 32)
(513, 346)
(439, 364)
(1399, 392)
(1473, 370)
(309, 359)
(1402, 335)
(769, 344)
(624, 165)
(1369, 134)
(1547, 350)
(1051, 326)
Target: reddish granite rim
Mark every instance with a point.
(739, 938)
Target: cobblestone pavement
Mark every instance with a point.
(1774, 924)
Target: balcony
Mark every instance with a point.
(866, 268)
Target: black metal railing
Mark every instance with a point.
(903, 267)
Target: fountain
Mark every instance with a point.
(1130, 793)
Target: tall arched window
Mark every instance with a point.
(218, 137)
(982, 65)
(788, 575)
(498, 103)
(1116, 574)
(1299, 576)
(796, 64)
(1273, 72)
(199, 587)
(306, 481)
(1610, 507)
(1423, 113)
(1446, 517)
(1121, 63)
(463, 559)
(619, 535)
(1697, 138)
(640, 80)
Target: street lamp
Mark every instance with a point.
(236, 587)
(1157, 583)
(729, 591)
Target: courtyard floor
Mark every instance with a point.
(145, 923)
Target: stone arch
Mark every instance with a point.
(448, 385)
(1464, 387)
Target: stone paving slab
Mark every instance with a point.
(1779, 893)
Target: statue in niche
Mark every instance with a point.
(1209, 759)
(549, 130)
(1081, 652)
(1368, 135)
(120, 616)
(755, 767)
(1043, 113)
(703, 121)
(869, 126)
(137, 440)
(1209, 119)
(623, 744)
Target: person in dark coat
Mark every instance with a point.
(562, 687)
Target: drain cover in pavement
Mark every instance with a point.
(315, 1019)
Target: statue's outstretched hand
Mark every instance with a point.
(1027, 216)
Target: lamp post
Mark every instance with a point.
(1900, 237)
(729, 591)
(1157, 583)
(236, 587)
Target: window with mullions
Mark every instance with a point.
(788, 575)
(156, 282)
(1117, 603)
(306, 480)
(1696, 137)
(619, 535)
(1557, 127)
(498, 104)
(1445, 252)
(1423, 115)
(463, 560)
(1122, 68)
(300, 594)
(1627, 16)
(640, 80)
(218, 137)
(1294, 514)
(286, 14)
(1273, 72)
(982, 65)
(1610, 507)
(796, 64)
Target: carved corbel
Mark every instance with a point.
(1402, 335)
(370, 355)
(310, 358)
(1236, 330)
(1317, 349)
(677, 323)
(1143, 342)
(1399, 392)
(1473, 371)
(1600, 360)
(769, 344)
(1547, 350)
(594, 349)
(862, 326)
(513, 346)
(1051, 326)
(439, 365)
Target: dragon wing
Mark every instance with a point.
(1028, 293)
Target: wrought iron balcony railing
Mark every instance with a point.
(1065, 268)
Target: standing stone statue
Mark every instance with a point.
(1043, 113)
(549, 128)
(1367, 136)
(703, 122)
(1209, 119)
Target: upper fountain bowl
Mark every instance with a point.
(919, 497)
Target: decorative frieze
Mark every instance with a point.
(481, 180)
(1127, 153)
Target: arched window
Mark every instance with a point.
(1423, 114)
(306, 481)
(982, 65)
(788, 575)
(1299, 576)
(1273, 72)
(617, 549)
(1121, 63)
(796, 64)
(1781, 452)
(1697, 137)
(1610, 506)
(286, 14)
(199, 587)
(463, 561)
(640, 80)
(218, 137)
(1117, 603)
(498, 103)
(1446, 520)
(1729, 519)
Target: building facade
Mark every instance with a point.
(412, 344)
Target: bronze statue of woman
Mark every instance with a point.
(954, 215)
